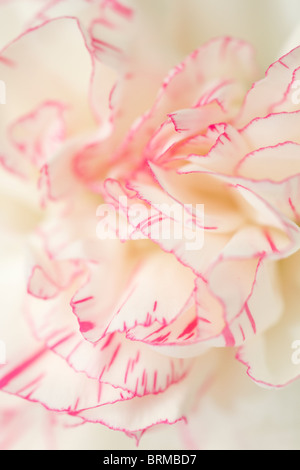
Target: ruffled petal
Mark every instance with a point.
(272, 358)
(190, 84)
(277, 92)
(43, 377)
(140, 413)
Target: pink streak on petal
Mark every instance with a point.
(228, 336)
(21, 368)
(86, 326)
(251, 319)
(189, 328)
(271, 242)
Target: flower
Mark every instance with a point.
(129, 332)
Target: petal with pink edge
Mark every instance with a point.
(276, 92)
(272, 359)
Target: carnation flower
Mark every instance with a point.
(126, 323)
